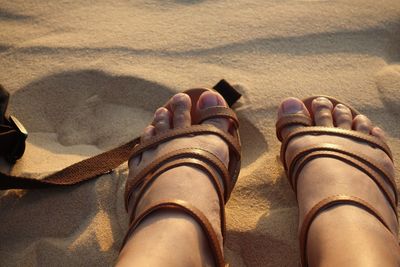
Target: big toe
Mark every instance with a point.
(211, 99)
(291, 106)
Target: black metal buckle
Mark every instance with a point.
(13, 144)
(18, 148)
(230, 94)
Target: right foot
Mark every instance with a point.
(171, 237)
(344, 234)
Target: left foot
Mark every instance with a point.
(342, 232)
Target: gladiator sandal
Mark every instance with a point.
(195, 157)
(295, 162)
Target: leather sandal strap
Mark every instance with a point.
(77, 173)
(377, 174)
(354, 135)
(105, 162)
(196, 153)
(190, 162)
(325, 204)
(217, 112)
(232, 142)
(291, 119)
(196, 214)
(296, 155)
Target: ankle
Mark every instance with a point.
(188, 184)
(167, 238)
(347, 235)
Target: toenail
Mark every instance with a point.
(292, 106)
(322, 100)
(378, 131)
(209, 100)
(149, 130)
(180, 97)
(323, 103)
(180, 100)
(341, 106)
(361, 118)
(161, 114)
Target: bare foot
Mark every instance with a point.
(343, 234)
(171, 238)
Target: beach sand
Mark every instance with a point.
(85, 76)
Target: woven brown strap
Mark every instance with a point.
(196, 214)
(74, 174)
(105, 162)
(325, 204)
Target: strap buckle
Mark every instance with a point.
(17, 148)
(12, 133)
(230, 94)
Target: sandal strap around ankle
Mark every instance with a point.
(196, 214)
(325, 204)
(191, 157)
(376, 171)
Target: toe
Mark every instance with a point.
(362, 124)
(211, 99)
(148, 133)
(289, 106)
(378, 132)
(181, 106)
(322, 110)
(342, 117)
(162, 120)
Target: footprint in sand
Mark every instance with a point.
(95, 108)
(388, 83)
(65, 114)
(88, 107)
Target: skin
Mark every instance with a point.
(343, 235)
(174, 238)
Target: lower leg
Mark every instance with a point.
(349, 236)
(170, 237)
(167, 239)
(343, 234)
(346, 235)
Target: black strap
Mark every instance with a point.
(84, 170)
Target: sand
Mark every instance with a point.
(86, 76)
